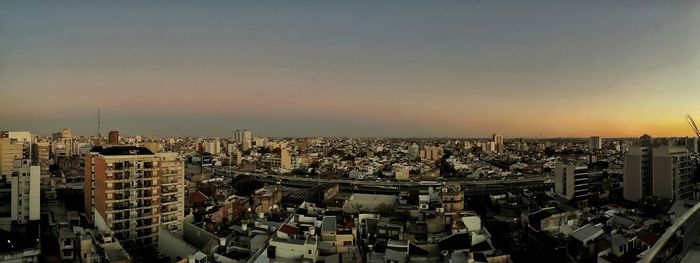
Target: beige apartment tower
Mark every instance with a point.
(658, 171)
(9, 151)
(131, 192)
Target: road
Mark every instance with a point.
(304, 180)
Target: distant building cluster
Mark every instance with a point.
(129, 198)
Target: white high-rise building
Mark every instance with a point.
(672, 173)
(657, 171)
(571, 182)
(24, 192)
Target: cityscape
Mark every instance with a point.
(363, 131)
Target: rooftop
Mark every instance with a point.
(121, 150)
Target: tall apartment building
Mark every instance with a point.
(113, 137)
(595, 143)
(212, 146)
(130, 192)
(67, 140)
(661, 171)
(43, 152)
(26, 139)
(571, 182)
(693, 145)
(237, 136)
(247, 135)
(285, 160)
(20, 193)
(432, 153)
(672, 173)
(498, 142)
(10, 150)
(172, 191)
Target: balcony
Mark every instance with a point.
(168, 202)
(680, 241)
(168, 182)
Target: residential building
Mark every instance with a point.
(113, 137)
(672, 173)
(27, 140)
(266, 198)
(237, 136)
(10, 150)
(571, 182)
(20, 194)
(664, 171)
(67, 140)
(44, 156)
(401, 173)
(595, 143)
(452, 198)
(498, 142)
(693, 145)
(122, 194)
(172, 191)
(637, 177)
(285, 160)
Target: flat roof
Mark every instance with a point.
(121, 150)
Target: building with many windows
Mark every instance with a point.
(19, 194)
(130, 192)
(571, 182)
(660, 171)
(595, 143)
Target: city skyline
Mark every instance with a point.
(364, 69)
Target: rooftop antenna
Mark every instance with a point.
(99, 134)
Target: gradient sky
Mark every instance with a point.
(351, 68)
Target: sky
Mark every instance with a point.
(351, 68)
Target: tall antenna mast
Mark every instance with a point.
(99, 133)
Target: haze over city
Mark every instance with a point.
(358, 68)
